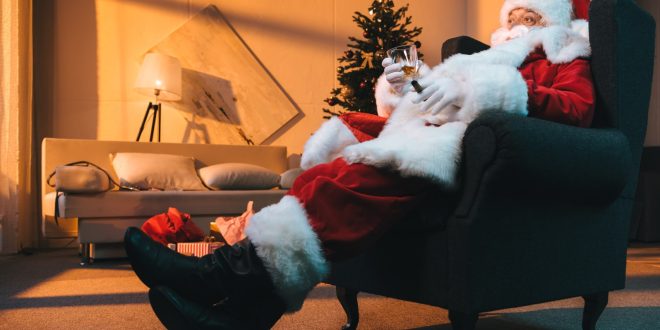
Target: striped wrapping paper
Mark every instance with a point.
(197, 249)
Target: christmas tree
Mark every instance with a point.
(385, 27)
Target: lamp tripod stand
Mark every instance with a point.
(156, 107)
(160, 76)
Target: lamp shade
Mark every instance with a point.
(160, 74)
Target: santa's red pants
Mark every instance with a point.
(350, 206)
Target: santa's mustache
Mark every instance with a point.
(503, 34)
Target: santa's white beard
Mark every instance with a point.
(503, 34)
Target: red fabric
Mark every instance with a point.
(364, 126)
(172, 227)
(581, 9)
(562, 93)
(349, 206)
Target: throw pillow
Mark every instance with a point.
(288, 177)
(238, 176)
(156, 171)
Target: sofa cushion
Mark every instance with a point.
(156, 171)
(144, 204)
(237, 176)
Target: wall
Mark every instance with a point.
(91, 55)
(483, 17)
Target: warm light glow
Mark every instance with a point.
(160, 75)
(67, 283)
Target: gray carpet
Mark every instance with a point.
(50, 290)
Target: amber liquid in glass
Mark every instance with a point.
(409, 71)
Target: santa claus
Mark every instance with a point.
(365, 173)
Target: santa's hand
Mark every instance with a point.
(395, 76)
(439, 93)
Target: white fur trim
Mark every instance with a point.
(415, 150)
(289, 249)
(386, 98)
(492, 86)
(581, 27)
(561, 45)
(326, 143)
(412, 147)
(554, 12)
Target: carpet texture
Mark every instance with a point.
(50, 290)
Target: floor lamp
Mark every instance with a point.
(160, 75)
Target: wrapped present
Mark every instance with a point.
(197, 249)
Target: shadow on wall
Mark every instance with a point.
(211, 98)
(65, 52)
(80, 67)
(8, 206)
(291, 31)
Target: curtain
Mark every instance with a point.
(17, 180)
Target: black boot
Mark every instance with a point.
(157, 265)
(175, 312)
(233, 272)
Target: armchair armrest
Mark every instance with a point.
(462, 45)
(522, 156)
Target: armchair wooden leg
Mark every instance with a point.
(594, 305)
(463, 321)
(348, 300)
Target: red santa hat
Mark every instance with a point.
(554, 12)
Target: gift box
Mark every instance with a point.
(197, 249)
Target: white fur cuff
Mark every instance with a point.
(415, 150)
(493, 86)
(289, 249)
(326, 143)
(386, 98)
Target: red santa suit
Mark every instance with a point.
(365, 173)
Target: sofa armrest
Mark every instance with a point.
(522, 156)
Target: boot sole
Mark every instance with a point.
(168, 315)
(173, 319)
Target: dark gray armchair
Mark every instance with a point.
(544, 209)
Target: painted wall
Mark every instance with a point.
(482, 18)
(90, 53)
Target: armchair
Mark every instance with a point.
(543, 212)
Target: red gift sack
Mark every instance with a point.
(172, 227)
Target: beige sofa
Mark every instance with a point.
(99, 220)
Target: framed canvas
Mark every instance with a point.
(229, 97)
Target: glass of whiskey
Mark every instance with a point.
(406, 55)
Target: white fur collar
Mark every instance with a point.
(561, 45)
